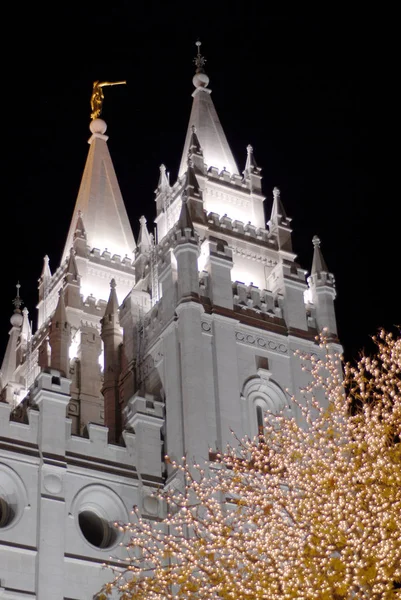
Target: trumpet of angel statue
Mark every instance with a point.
(302, 511)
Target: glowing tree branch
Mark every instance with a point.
(309, 511)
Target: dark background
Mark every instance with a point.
(310, 92)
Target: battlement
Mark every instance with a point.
(112, 261)
(226, 177)
(242, 230)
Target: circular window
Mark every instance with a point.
(95, 509)
(97, 531)
(13, 497)
(6, 513)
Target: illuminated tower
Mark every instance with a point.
(163, 347)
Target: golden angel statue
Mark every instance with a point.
(98, 96)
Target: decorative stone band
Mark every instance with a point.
(261, 342)
(252, 340)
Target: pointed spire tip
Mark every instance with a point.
(200, 79)
(18, 300)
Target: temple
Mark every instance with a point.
(160, 346)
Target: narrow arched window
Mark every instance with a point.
(259, 419)
(263, 398)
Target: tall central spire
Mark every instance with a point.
(216, 151)
(100, 201)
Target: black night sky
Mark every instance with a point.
(307, 91)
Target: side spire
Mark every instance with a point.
(184, 220)
(318, 262)
(164, 183)
(251, 172)
(278, 212)
(209, 132)
(144, 239)
(72, 269)
(250, 165)
(112, 304)
(46, 273)
(9, 363)
(279, 223)
(194, 144)
(193, 195)
(80, 231)
(26, 328)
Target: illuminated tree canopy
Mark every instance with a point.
(309, 511)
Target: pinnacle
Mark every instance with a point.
(112, 304)
(144, 239)
(72, 265)
(318, 263)
(191, 183)
(250, 165)
(80, 227)
(60, 314)
(278, 208)
(194, 144)
(184, 221)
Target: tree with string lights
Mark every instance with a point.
(307, 510)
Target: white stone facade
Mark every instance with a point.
(195, 339)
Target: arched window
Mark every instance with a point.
(261, 395)
(259, 418)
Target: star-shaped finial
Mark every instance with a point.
(199, 60)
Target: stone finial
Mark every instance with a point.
(113, 284)
(18, 300)
(316, 241)
(200, 79)
(199, 60)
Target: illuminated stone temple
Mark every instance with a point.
(146, 348)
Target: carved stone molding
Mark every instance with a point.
(259, 341)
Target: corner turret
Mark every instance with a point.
(186, 252)
(111, 334)
(322, 290)
(60, 338)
